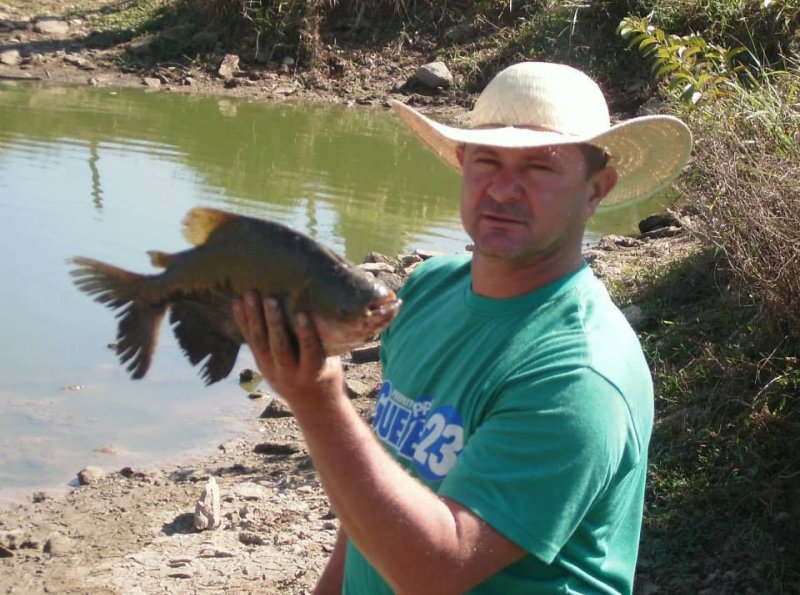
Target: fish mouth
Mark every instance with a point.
(384, 308)
(339, 337)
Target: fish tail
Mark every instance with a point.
(139, 316)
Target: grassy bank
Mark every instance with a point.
(723, 507)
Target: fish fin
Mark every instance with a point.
(160, 259)
(199, 223)
(118, 289)
(207, 332)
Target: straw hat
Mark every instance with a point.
(534, 104)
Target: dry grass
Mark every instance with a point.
(745, 177)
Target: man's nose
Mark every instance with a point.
(506, 185)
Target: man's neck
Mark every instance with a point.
(499, 278)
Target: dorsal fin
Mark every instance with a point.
(160, 259)
(201, 222)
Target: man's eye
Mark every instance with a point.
(486, 161)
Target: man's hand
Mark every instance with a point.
(301, 374)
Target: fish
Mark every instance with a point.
(232, 254)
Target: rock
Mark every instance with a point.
(612, 242)
(80, 62)
(459, 33)
(145, 475)
(651, 107)
(275, 408)
(426, 254)
(229, 66)
(207, 511)
(391, 280)
(658, 221)
(89, 475)
(248, 375)
(366, 353)
(287, 64)
(356, 389)
(251, 538)
(410, 260)
(277, 448)
(376, 267)
(434, 75)
(285, 90)
(5, 552)
(634, 315)
(250, 491)
(51, 26)
(663, 232)
(215, 553)
(10, 58)
(58, 545)
(151, 82)
(377, 257)
(39, 496)
(410, 269)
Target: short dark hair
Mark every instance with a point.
(596, 158)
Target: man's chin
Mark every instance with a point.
(499, 249)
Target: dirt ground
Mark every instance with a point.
(132, 530)
(70, 56)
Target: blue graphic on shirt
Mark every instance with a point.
(430, 438)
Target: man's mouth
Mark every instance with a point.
(504, 219)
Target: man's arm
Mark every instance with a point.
(332, 579)
(418, 542)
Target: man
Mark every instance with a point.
(509, 447)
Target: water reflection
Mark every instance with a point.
(285, 161)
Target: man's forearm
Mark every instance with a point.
(412, 537)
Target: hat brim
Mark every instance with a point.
(647, 152)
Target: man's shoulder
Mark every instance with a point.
(440, 268)
(444, 262)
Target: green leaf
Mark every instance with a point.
(667, 68)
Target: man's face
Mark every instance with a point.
(528, 204)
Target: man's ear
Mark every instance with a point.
(602, 182)
(460, 154)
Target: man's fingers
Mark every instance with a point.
(280, 343)
(311, 350)
(237, 306)
(255, 330)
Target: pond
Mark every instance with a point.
(109, 174)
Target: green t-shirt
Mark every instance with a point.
(534, 412)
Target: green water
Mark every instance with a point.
(109, 174)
